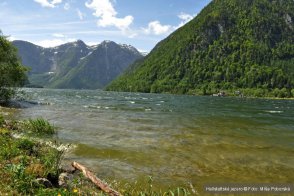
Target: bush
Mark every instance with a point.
(26, 145)
(39, 126)
(282, 93)
(2, 121)
(4, 132)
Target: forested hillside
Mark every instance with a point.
(231, 45)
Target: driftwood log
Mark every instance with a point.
(88, 174)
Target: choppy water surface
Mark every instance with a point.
(175, 139)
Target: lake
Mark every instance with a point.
(178, 140)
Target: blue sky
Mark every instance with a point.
(141, 23)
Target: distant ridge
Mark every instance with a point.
(76, 65)
(231, 45)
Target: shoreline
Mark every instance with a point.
(40, 157)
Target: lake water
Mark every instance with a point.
(176, 139)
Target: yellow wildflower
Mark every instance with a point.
(75, 190)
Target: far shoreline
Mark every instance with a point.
(164, 93)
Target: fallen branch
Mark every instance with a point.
(104, 187)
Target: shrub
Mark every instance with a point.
(2, 121)
(4, 132)
(39, 126)
(25, 145)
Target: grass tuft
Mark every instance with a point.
(2, 121)
(39, 126)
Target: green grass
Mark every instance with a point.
(22, 161)
(147, 189)
(2, 121)
(39, 126)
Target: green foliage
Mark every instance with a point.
(2, 121)
(39, 126)
(4, 132)
(231, 45)
(25, 144)
(11, 71)
(22, 161)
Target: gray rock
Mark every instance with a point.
(45, 182)
(64, 179)
(68, 169)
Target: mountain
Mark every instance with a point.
(231, 45)
(76, 65)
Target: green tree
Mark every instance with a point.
(12, 73)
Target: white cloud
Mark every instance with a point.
(92, 43)
(53, 42)
(106, 13)
(57, 40)
(66, 6)
(47, 3)
(145, 52)
(185, 19)
(80, 14)
(56, 2)
(156, 28)
(130, 33)
(11, 38)
(58, 35)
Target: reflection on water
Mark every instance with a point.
(175, 139)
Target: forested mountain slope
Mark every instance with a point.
(230, 45)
